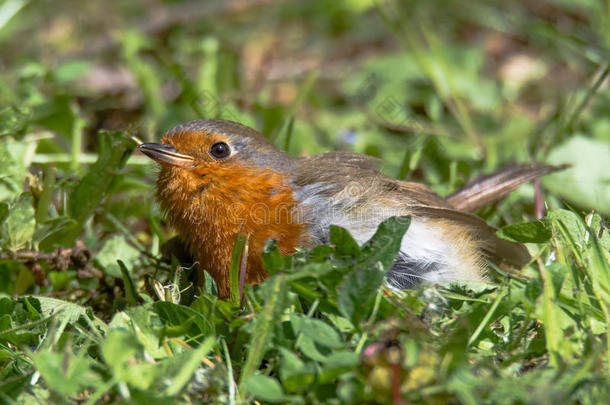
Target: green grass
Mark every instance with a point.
(92, 309)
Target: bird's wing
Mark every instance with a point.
(337, 163)
(497, 249)
(421, 201)
(342, 168)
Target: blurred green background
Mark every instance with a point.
(441, 91)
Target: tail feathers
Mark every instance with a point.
(484, 190)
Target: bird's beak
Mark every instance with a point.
(167, 154)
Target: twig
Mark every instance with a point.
(31, 255)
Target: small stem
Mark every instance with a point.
(77, 137)
(538, 196)
(44, 201)
(585, 101)
(242, 269)
(231, 380)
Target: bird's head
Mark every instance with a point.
(212, 164)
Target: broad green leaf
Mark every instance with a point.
(599, 270)
(341, 323)
(527, 232)
(357, 289)
(65, 373)
(570, 225)
(13, 121)
(114, 150)
(598, 259)
(345, 245)
(60, 279)
(25, 279)
(68, 312)
(383, 247)
(4, 208)
(315, 270)
(272, 258)
(264, 388)
(118, 347)
(15, 157)
(147, 324)
(6, 305)
(181, 320)
(376, 258)
(294, 373)
(306, 345)
(555, 320)
(22, 322)
(337, 364)
(587, 182)
(124, 356)
(557, 272)
(317, 330)
(596, 224)
(46, 232)
(6, 332)
(71, 70)
(114, 249)
(533, 289)
(33, 307)
(188, 362)
(320, 253)
(19, 225)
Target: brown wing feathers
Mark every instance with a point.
(485, 190)
(497, 249)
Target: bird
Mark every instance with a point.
(219, 179)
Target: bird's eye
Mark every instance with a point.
(220, 150)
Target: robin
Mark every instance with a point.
(220, 178)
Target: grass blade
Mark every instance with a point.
(263, 328)
(234, 269)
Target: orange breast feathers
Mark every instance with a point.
(209, 206)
